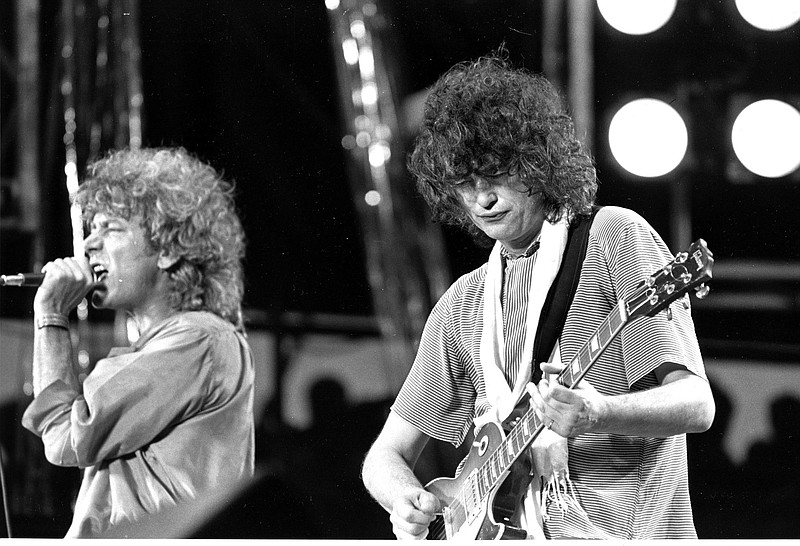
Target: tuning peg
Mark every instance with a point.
(702, 291)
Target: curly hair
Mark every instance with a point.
(486, 118)
(187, 210)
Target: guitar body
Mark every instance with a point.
(497, 515)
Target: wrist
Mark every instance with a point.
(600, 412)
(55, 320)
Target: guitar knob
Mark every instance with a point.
(702, 291)
(685, 301)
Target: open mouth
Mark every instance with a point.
(100, 273)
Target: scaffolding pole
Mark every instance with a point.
(28, 185)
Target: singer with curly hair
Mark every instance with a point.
(170, 417)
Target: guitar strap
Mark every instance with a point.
(562, 291)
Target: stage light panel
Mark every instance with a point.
(648, 137)
(635, 16)
(766, 136)
(769, 15)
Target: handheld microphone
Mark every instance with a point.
(22, 279)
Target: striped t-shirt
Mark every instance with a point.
(630, 487)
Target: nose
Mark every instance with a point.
(484, 194)
(91, 242)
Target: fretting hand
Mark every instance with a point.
(568, 412)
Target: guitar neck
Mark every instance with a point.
(592, 349)
(529, 425)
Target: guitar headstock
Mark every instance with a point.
(690, 269)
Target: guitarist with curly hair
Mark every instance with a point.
(600, 451)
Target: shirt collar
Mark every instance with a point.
(530, 251)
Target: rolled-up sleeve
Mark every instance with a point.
(128, 400)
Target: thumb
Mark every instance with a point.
(551, 368)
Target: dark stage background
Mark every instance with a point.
(251, 87)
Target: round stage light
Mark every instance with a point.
(770, 15)
(765, 138)
(635, 16)
(648, 137)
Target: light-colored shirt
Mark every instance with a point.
(630, 487)
(157, 423)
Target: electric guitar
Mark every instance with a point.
(483, 501)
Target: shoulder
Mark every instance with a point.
(206, 337)
(202, 321)
(616, 228)
(465, 289)
(612, 219)
(205, 320)
(623, 245)
(460, 302)
(198, 326)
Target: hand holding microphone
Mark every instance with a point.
(67, 281)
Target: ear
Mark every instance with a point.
(166, 261)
